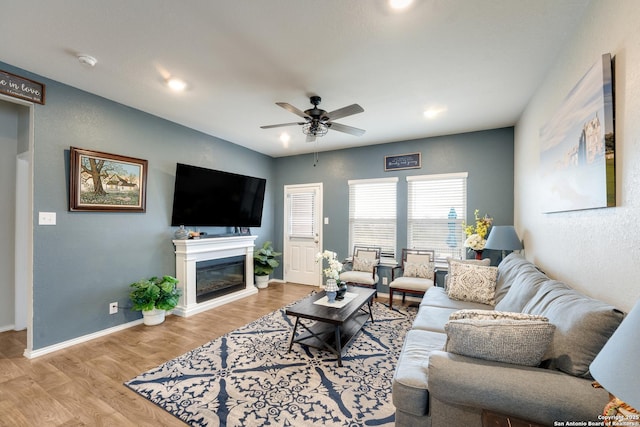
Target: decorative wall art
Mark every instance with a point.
(403, 161)
(577, 146)
(106, 182)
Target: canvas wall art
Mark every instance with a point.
(577, 146)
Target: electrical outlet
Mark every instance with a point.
(113, 308)
(384, 280)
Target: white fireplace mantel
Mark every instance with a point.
(189, 252)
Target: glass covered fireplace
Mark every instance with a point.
(218, 277)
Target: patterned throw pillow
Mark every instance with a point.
(474, 283)
(493, 315)
(421, 270)
(364, 264)
(500, 336)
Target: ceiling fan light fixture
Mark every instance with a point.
(315, 129)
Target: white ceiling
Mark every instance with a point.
(481, 60)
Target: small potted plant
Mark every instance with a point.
(264, 262)
(154, 297)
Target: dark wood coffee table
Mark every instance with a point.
(334, 328)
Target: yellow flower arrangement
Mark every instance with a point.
(481, 227)
(477, 233)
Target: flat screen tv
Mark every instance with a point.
(207, 197)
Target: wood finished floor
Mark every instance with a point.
(83, 385)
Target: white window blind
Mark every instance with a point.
(372, 214)
(437, 205)
(301, 214)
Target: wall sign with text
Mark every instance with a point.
(20, 87)
(403, 161)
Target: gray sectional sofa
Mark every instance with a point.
(438, 383)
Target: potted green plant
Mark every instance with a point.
(154, 297)
(264, 262)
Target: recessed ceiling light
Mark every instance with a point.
(285, 138)
(432, 113)
(176, 85)
(400, 4)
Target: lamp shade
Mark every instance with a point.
(617, 365)
(503, 237)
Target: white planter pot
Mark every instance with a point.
(262, 281)
(153, 317)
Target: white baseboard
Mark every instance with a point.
(7, 328)
(65, 344)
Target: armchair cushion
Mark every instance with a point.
(471, 282)
(364, 264)
(420, 270)
(514, 338)
(363, 277)
(411, 284)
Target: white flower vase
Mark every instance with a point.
(331, 288)
(153, 317)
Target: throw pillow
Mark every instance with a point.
(420, 270)
(484, 261)
(474, 283)
(364, 264)
(519, 341)
(493, 315)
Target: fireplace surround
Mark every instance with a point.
(216, 262)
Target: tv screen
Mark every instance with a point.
(207, 197)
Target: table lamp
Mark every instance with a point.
(504, 238)
(615, 368)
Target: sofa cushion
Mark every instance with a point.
(522, 289)
(506, 337)
(410, 382)
(437, 297)
(583, 326)
(470, 282)
(432, 318)
(509, 269)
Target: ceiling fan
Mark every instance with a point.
(318, 122)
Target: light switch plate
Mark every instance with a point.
(47, 218)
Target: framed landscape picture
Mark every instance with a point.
(106, 182)
(577, 146)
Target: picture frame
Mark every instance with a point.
(22, 87)
(403, 161)
(104, 182)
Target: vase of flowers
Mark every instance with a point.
(477, 233)
(331, 272)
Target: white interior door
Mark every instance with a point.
(302, 233)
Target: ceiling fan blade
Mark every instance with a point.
(281, 124)
(311, 138)
(346, 129)
(344, 112)
(293, 109)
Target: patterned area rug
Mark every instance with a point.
(248, 378)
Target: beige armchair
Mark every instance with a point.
(363, 267)
(415, 274)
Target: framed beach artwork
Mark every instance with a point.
(577, 146)
(106, 182)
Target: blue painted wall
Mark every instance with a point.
(487, 156)
(88, 260)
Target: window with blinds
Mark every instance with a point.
(301, 214)
(372, 214)
(437, 205)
